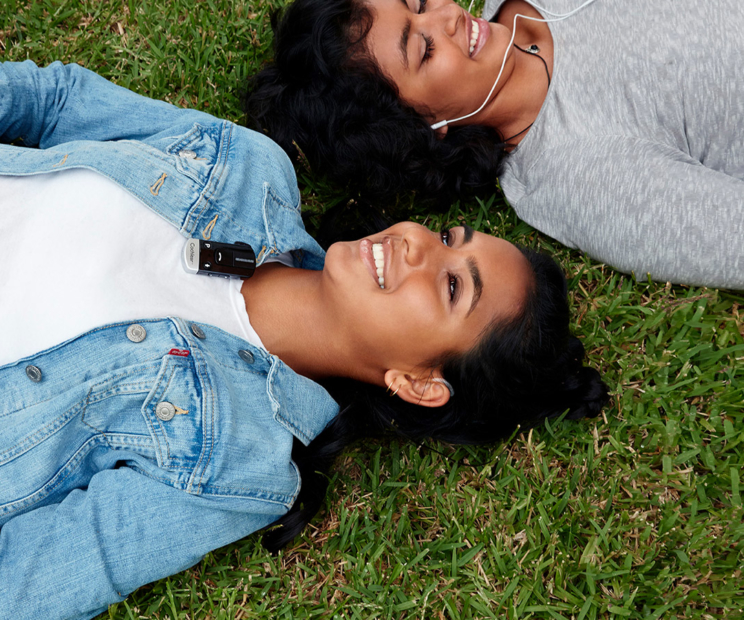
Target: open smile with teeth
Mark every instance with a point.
(379, 257)
(474, 35)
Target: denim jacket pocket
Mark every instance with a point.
(196, 152)
(174, 415)
(70, 431)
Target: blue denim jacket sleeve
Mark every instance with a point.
(55, 104)
(100, 544)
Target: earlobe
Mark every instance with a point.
(427, 390)
(441, 131)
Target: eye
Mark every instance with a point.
(429, 48)
(454, 285)
(445, 235)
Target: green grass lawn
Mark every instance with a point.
(636, 514)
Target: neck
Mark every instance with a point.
(524, 94)
(286, 308)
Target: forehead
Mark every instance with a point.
(389, 19)
(506, 274)
(390, 11)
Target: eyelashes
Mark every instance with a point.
(454, 285)
(428, 40)
(454, 281)
(429, 48)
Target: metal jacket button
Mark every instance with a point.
(165, 411)
(33, 373)
(187, 153)
(197, 331)
(136, 333)
(246, 356)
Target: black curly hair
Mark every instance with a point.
(324, 96)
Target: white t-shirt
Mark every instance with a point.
(77, 251)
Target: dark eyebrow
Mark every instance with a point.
(477, 283)
(467, 237)
(404, 41)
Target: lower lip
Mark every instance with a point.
(365, 251)
(483, 33)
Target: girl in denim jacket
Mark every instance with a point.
(137, 435)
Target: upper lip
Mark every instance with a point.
(365, 249)
(468, 31)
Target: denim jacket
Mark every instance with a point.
(129, 452)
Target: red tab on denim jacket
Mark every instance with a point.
(179, 352)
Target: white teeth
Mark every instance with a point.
(474, 36)
(379, 257)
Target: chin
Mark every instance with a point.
(498, 43)
(338, 259)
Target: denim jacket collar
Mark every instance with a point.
(307, 407)
(285, 232)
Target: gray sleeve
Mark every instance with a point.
(640, 207)
(490, 8)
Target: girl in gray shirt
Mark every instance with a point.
(615, 131)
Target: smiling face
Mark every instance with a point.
(439, 292)
(442, 59)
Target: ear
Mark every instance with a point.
(421, 390)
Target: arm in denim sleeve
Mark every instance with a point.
(60, 103)
(73, 559)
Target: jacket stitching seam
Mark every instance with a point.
(196, 212)
(206, 388)
(162, 392)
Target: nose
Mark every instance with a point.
(420, 246)
(443, 13)
(450, 15)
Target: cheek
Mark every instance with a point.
(455, 90)
(396, 321)
(415, 316)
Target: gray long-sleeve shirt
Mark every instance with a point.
(637, 155)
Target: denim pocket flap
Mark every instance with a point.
(196, 152)
(173, 412)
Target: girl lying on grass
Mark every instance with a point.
(150, 415)
(616, 131)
